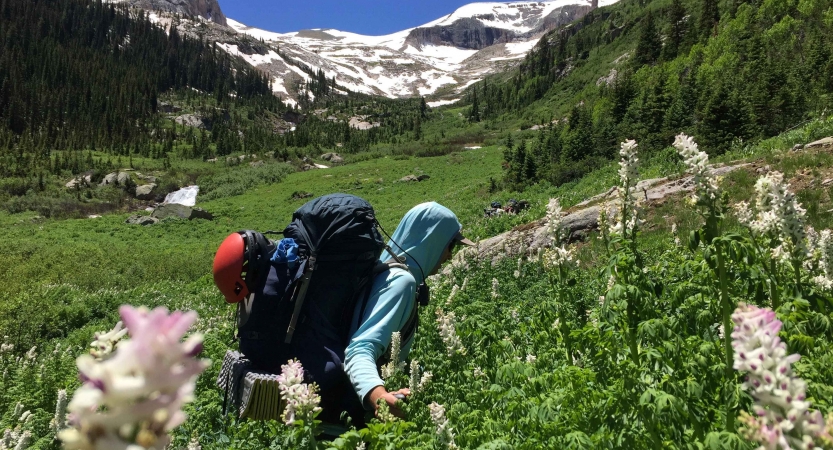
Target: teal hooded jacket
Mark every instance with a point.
(421, 238)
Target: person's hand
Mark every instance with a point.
(379, 392)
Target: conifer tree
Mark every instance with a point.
(649, 45)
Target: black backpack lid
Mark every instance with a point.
(350, 219)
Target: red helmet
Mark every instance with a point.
(237, 263)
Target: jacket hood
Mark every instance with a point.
(424, 233)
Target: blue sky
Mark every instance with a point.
(369, 17)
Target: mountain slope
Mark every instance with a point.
(439, 58)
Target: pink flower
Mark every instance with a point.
(782, 418)
(135, 396)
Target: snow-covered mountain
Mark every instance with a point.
(437, 59)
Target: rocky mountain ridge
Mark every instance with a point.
(437, 60)
(206, 9)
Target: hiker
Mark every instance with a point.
(330, 294)
(425, 239)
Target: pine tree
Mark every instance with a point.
(709, 17)
(649, 45)
(474, 111)
(676, 30)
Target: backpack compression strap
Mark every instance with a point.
(299, 300)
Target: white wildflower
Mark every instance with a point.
(424, 380)
(454, 291)
(530, 358)
(194, 444)
(465, 283)
(779, 216)
(705, 184)
(32, 353)
(495, 285)
(395, 365)
(24, 441)
(105, 343)
(448, 333)
(59, 422)
(444, 432)
(8, 439)
(25, 417)
(383, 411)
(558, 257)
(825, 252)
(413, 380)
(301, 398)
(554, 221)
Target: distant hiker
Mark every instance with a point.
(331, 294)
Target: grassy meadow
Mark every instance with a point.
(516, 386)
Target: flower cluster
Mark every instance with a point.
(59, 422)
(448, 333)
(495, 286)
(446, 436)
(628, 214)
(301, 398)
(777, 215)
(676, 234)
(782, 416)
(628, 162)
(554, 221)
(105, 343)
(18, 439)
(825, 250)
(383, 411)
(706, 189)
(133, 398)
(395, 365)
(454, 290)
(559, 257)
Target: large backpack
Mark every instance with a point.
(305, 310)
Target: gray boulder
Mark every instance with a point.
(332, 157)
(178, 211)
(123, 178)
(146, 192)
(109, 179)
(79, 182)
(190, 120)
(141, 220)
(826, 142)
(408, 178)
(117, 179)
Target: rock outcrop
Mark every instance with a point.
(146, 191)
(464, 33)
(141, 220)
(334, 158)
(583, 218)
(180, 212)
(207, 9)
